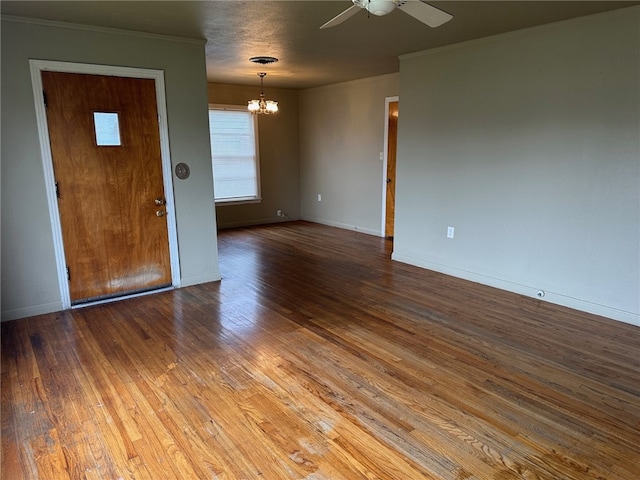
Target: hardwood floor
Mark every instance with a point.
(315, 358)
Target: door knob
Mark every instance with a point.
(160, 201)
(160, 213)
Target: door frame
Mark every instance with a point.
(385, 151)
(37, 67)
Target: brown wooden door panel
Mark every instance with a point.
(113, 240)
(392, 140)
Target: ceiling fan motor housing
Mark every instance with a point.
(421, 11)
(379, 7)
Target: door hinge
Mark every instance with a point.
(57, 190)
(44, 98)
(68, 273)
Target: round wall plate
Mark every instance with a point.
(182, 171)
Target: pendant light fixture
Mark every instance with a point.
(263, 106)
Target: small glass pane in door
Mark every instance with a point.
(107, 129)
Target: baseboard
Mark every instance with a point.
(551, 297)
(31, 311)
(198, 279)
(252, 223)
(345, 226)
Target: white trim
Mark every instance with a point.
(228, 106)
(516, 33)
(25, 312)
(200, 279)
(387, 101)
(344, 226)
(221, 202)
(95, 28)
(357, 81)
(167, 175)
(254, 222)
(37, 67)
(526, 290)
(49, 181)
(256, 139)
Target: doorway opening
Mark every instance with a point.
(389, 169)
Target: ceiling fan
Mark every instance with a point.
(432, 16)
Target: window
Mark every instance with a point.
(107, 129)
(234, 153)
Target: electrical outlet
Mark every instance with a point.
(278, 213)
(319, 197)
(450, 232)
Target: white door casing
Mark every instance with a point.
(36, 67)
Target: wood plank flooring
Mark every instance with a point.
(315, 358)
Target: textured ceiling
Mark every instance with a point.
(361, 47)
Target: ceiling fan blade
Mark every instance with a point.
(432, 16)
(338, 19)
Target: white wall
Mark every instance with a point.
(29, 279)
(341, 137)
(527, 143)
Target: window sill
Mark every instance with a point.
(238, 201)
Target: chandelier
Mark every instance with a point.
(262, 106)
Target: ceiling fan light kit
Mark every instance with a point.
(378, 7)
(427, 14)
(262, 106)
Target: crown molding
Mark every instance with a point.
(93, 28)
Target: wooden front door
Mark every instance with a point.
(392, 141)
(110, 190)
